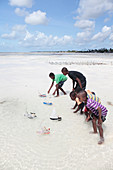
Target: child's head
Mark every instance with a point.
(64, 71)
(82, 96)
(52, 76)
(78, 89)
(73, 95)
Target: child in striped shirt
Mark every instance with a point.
(97, 111)
(91, 95)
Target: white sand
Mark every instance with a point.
(69, 146)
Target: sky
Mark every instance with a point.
(55, 25)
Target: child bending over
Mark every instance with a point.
(97, 111)
(90, 95)
(60, 79)
(73, 96)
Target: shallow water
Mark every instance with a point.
(69, 146)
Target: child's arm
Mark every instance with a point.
(79, 82)
(77, 110)
(75, 105)
(73, 82)
(51, 86)
(100, 114)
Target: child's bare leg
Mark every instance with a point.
(87, 118)
(101, 134)
(62, 91)
(101, 141)
(100, 130)
(57, 92)
(94, 125)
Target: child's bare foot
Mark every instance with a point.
(57, 96)
(93, 132)
(101, 141)
(87, 119)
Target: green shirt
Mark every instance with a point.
(59, 78)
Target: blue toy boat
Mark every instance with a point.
(47, 103)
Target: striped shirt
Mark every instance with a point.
(89, 96)
(93, 106)
(93, 96)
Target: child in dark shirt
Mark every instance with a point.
(76, 77)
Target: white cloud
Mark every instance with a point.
(18, 31)
(66, 39)
(19, 28)
(21, 12)
(21, 3)
(39, 39)
(85, 24)
(92, 9)
(106, 29)
(28, 35)
(106, 19)
(37, 18)
(9, 36)
(83, 36)
(111, 37)
(101, 36)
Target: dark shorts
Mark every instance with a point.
(60, 84)
(102, 117)
(83, 85)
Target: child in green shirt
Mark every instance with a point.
(60, 79)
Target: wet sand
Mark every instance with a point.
(69, 146)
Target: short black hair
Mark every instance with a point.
(83, 93)
(78, 89)
(73, 94)
(64, 69)
(51, 74)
